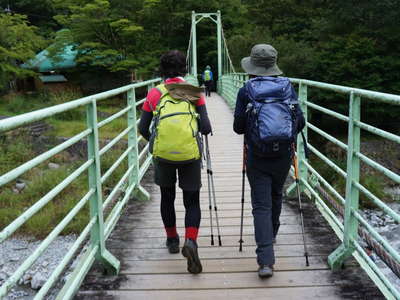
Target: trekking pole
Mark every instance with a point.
(210, 172)
(243, 181)
(296, 175)
(209, 200)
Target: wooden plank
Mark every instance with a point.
(205, 215)
(228, 204)
(224, 265)
(224, 193)
(204, 206)
(130, 241)
(157, 222)
(225, 231)
(219, 252)
(227, 280)
(286, 293)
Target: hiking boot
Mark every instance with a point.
(173, 244)
(265, 271)
(189, 250)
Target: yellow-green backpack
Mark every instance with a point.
(175, 134)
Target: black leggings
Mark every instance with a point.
(208, 84)
(191, 201)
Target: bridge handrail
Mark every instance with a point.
(37, 115)
(347, 225)
(98, 228)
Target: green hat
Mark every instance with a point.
(262, 61)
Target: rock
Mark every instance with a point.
(38, 280)
(394, 192)
(53, 166)
(45, 263)
(66, 277)
(392, 234)
(27, 279)
(20, 185)
(17, 294)
(20, 246)
(13, 258)
(3, 276)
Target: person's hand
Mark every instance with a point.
(206, 129)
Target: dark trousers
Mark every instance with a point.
(191, 201)
(208, 85)
(266, 177)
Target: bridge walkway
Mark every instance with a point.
(148, 271)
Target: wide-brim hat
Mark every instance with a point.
(262, 61)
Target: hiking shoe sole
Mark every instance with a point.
(265, 272)
(193, 261)
(173, 244)
(262, 275)
(173, 249)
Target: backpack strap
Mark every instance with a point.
(162, 89)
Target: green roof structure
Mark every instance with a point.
(43, 63)
(52, 78)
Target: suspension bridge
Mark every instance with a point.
(121, 249)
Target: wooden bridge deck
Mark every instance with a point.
(148, 271)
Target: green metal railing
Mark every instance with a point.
(343, 213)
(98, 228)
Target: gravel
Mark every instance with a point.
(14, 251)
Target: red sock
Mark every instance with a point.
(171, 231)
(191, 233)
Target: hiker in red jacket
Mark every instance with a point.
(172, 69)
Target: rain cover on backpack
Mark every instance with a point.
(270, 127)
(207, 75)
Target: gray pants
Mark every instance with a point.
(266, 177)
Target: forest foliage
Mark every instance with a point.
(347, 42)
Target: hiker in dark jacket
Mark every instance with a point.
(172, 68)
(266, 170)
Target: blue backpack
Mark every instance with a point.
(271, 116)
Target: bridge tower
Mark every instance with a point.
(192, 54)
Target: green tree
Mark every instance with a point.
(18, 43)
(106, 36)
(39, 13)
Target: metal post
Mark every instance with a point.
(301, 155)
(337, 257)
(219, 41)
(300, 143)
(111, 264)
(133, 157)
(194, 48)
